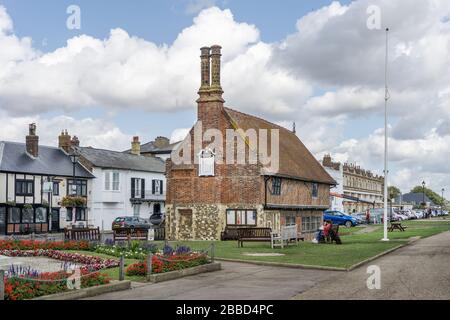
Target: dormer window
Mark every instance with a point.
(206, 159)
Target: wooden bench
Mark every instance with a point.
(287, 235)
(130, 234)
(396, 226)
(254, 234)
(87, 234)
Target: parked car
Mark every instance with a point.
(419, 214)
(131, 222)
(337, 217)
(157, 218)
(360, 217)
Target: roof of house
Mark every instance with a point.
(295, 159)
(413, 197)
(50, 161)
(122, 160)
(150, 147)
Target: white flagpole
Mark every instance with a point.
(386, 98)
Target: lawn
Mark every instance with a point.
(113, 273)
(355, 247)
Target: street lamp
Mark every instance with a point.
(74, 157)
(442, 204)
(423, 193)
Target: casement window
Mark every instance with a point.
(315, 190)
(311, 223)
(290, 220)
(80, 214)
(14, 215)
(112, 180)
(158, 187)
(77, 188)
(137, 188)
(206, 159)
(56, 188)
(276, 186)
(41, 215)
(241, 217)
(24, 187)
(27, 215)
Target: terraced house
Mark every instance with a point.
(205, 195)
(34, 180)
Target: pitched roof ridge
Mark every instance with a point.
(259, 118)
(23, 144)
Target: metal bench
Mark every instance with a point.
(254, 234)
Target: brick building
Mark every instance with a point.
(202, 200)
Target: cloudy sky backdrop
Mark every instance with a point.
(133, 69)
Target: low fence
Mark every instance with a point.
(130, 234)
(88, 234)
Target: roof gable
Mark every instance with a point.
(296, 160)
(50, 161)
(122, 160)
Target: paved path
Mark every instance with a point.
(417, 271)
(237, 281)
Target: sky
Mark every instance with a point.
(133, 69)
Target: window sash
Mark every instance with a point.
(24, 187)
(241, 217)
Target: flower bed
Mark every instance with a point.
(19, 288)
(88, 262)
(45, 245)
(165, 263)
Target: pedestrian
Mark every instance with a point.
(368, 216)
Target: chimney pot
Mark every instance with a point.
(64, 141)
(32, 141)
(136, 146)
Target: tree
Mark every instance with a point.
(433, 196)
(393, 192)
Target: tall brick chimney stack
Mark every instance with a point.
(205, 72)
(64, 141)
(216, 88)
(210, 102)
(32, 141)
(136, 146)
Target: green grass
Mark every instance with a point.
(113, 273)
(355, 247)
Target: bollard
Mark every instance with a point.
(121, 269)
(149, 265)
(212, 252)
(2, 285)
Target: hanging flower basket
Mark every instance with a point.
(73, 202)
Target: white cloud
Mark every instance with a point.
(195, 6)
(325, 75)
(97, 133)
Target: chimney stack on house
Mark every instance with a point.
(75, 142)
(161, 142)
(136, 146)
(210, 102)
(65, 141)
(32, 141)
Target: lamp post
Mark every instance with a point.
(423, 194)
(74, 157)
(386, 98)
(442, 204)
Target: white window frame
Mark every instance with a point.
(206, 163)
(109, 182)
(137, 188)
